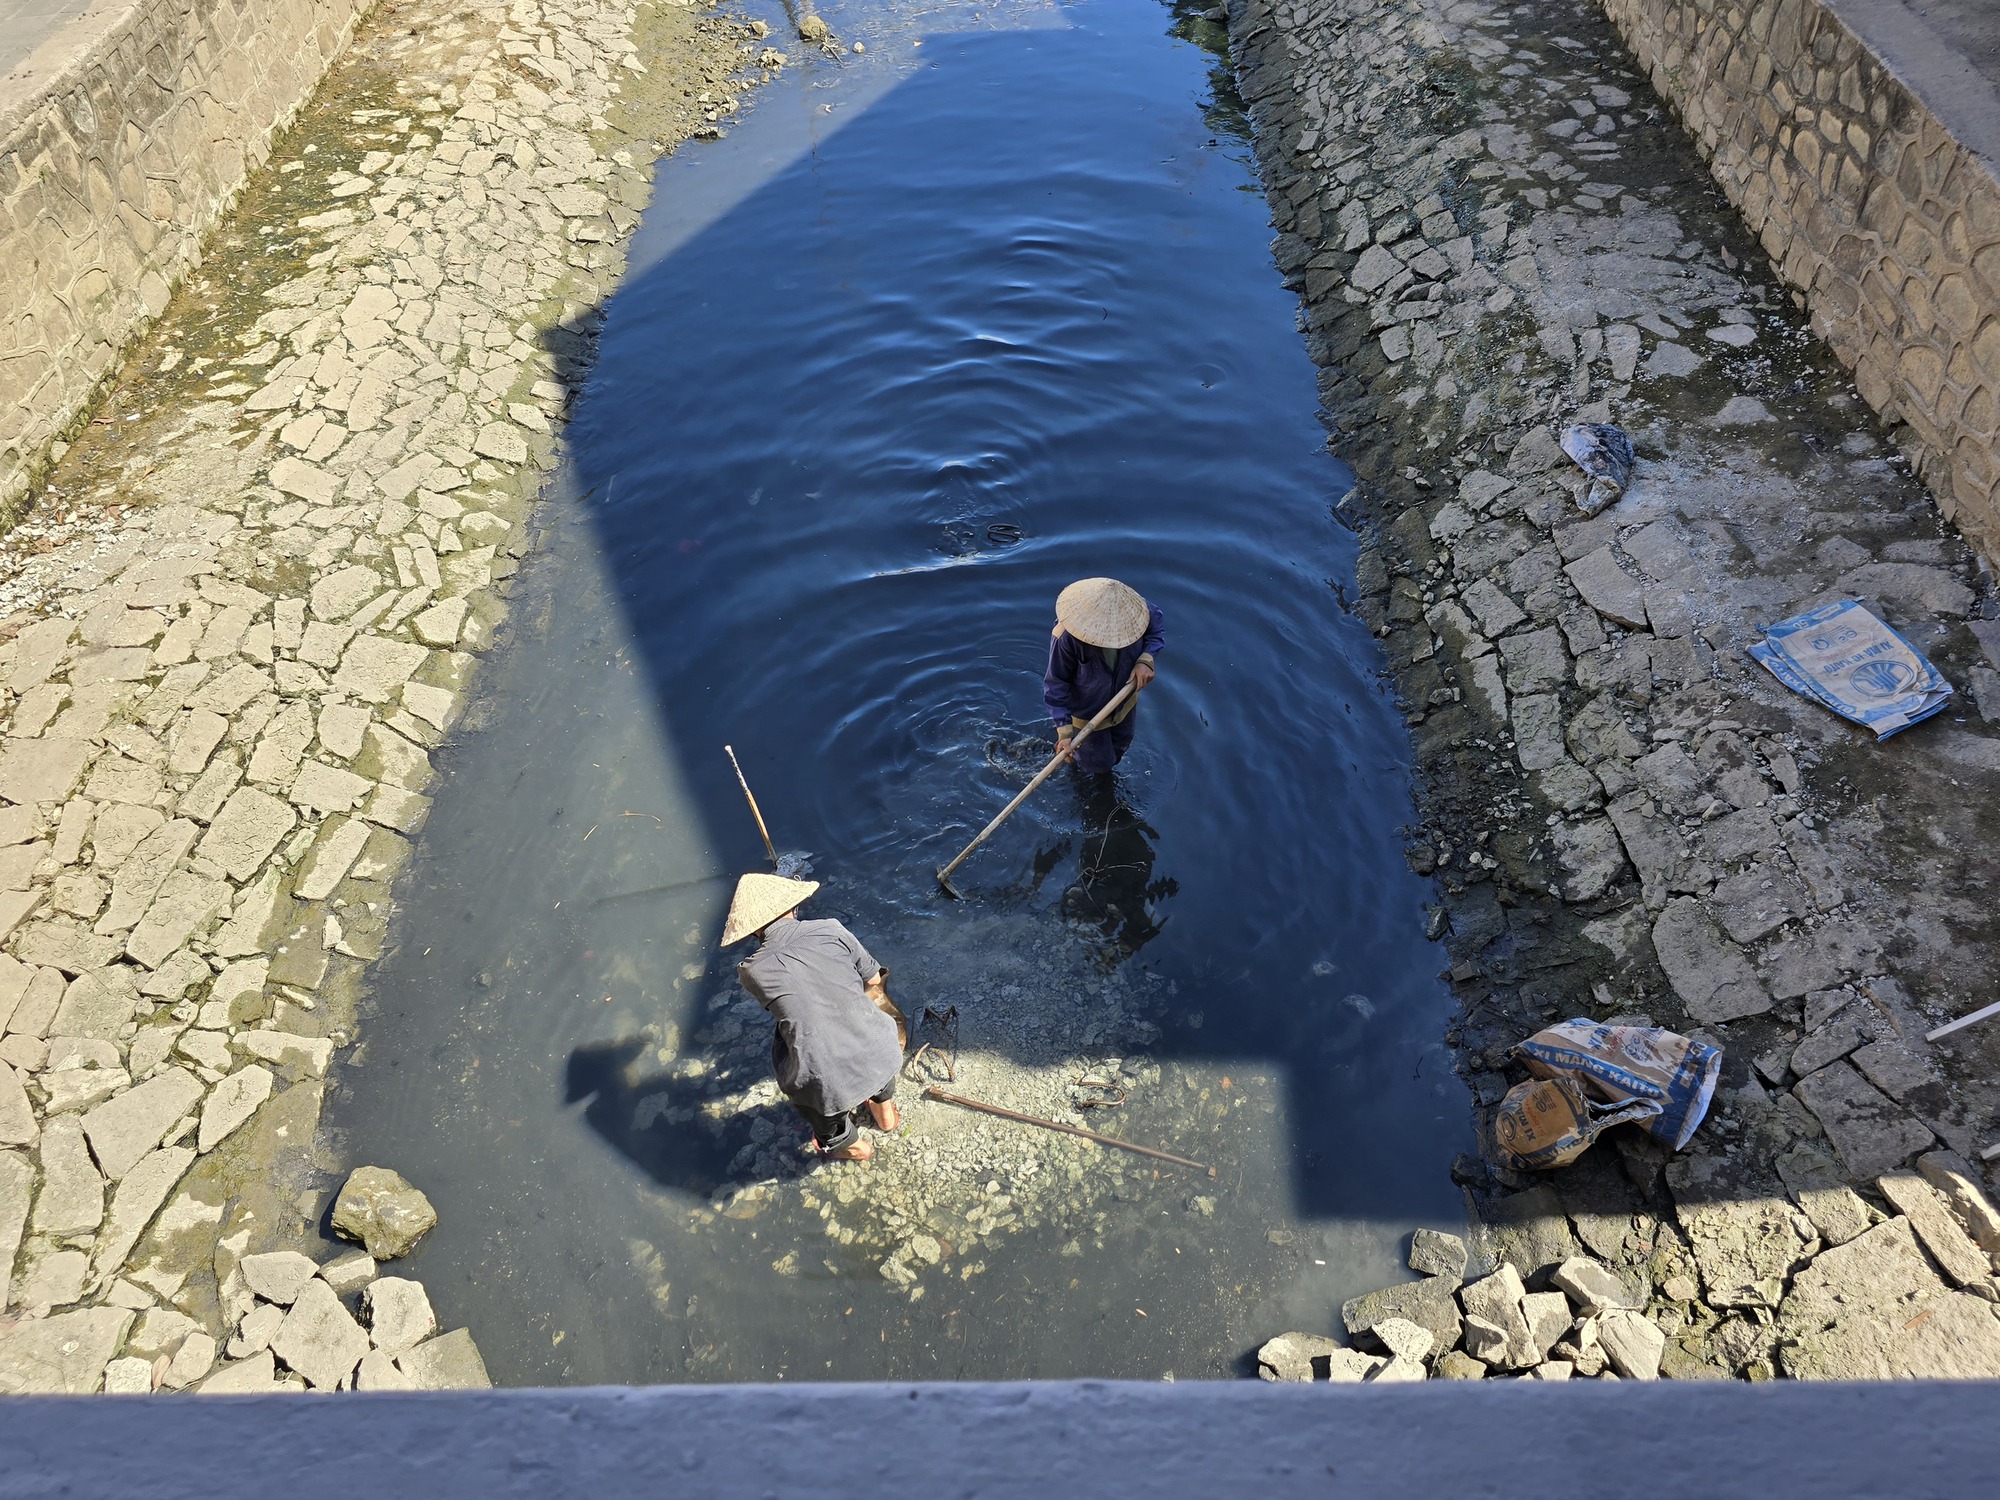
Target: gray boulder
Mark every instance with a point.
(1292, 1356)
(381, 1211)
(449, 1362)
(1433, 1253)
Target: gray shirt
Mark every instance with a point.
(833, 1048)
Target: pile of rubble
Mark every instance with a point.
(1904, 1286)
(292, 1319)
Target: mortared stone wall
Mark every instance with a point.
(122, 141)
(1861, 150)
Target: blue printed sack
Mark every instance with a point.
(1624, 1064)
(1842, 656)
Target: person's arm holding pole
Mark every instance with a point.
(1059, 689)
(944, 875)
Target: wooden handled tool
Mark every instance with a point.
(1089, 1135)
(769, 847)
(944, 875)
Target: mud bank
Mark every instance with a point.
(1495, 231)
(239, 617)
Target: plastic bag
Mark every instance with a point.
(1843, 656)
(1605, 454)
(1548, 1122)
(1674, 1076)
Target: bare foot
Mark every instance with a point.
(886, 1116)
(858, 1151)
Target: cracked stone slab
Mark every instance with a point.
(1609, 589)
(17, 1188)
(1871, 1132)
(1431, 1304)
(1758, 901)
(1592, 856)
(41, 770)
(1953, 1177)
(399, 1313)
(1829, 1044)
(1743, 1232)
(278, 1275)
(1653, 845)
(1812, 1177)
(449, 1362)
(375, 667)
(249, 827)
(1709, 973)
(62, 1355)
(137, 1198)
(232, 1102)
(319, 1337)
(125, 1128)
(1950, 1246)
(71, 1200)
(1873, 1309)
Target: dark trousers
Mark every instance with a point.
(1107, 746)
(834, 1131)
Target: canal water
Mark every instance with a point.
(934, 329)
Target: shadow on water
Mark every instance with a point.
(923, 339)
(623, 1100)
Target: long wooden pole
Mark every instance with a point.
(944, 875)
(1089, 1135)
(769, 848)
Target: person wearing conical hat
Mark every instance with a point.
(835, 1048)
(1105, 636)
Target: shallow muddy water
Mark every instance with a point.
(934, 330)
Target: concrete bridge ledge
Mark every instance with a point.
(1068, 1440)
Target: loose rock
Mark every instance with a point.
(383, 1212)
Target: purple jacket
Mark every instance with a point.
(1079, 682)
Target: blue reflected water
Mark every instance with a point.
(933, 331)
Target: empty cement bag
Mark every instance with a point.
(1605, 454)
(1847, 658)
(1548, 1122)
(1620, 1064)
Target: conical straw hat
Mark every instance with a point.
(1102, 612)
(760, 901)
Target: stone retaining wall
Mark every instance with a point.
(1860, 151)
(112, 169)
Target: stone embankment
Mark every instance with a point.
(240, 616)
(1861, 151)
(115, 163)
(1495, 231)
